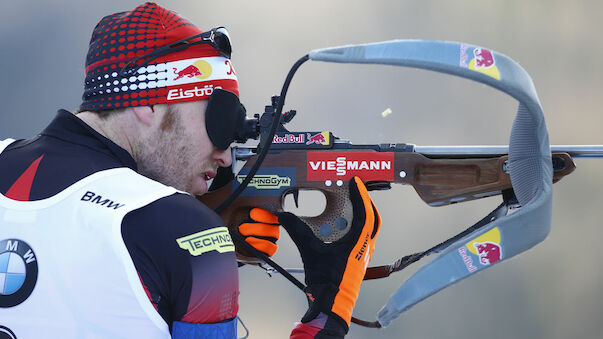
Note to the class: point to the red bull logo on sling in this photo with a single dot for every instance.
(488, 252)
(483, 60)
(487, 247)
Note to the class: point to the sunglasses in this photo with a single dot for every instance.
(226, 122)
(217, 37)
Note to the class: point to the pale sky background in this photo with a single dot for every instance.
(552, 291)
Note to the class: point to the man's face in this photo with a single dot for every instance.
(176, 149)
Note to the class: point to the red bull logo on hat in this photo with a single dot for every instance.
(482, 60)
(200, 69)
(189, 71)
(192, 79)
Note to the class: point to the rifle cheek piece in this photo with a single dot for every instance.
(226, 122)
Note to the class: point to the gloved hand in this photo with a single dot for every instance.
(261, 231)
(334, 271)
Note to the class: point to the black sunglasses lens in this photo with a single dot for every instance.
(221, 41)
(223, 44)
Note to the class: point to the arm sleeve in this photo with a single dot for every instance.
(180, 250)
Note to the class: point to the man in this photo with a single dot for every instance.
(97, 212)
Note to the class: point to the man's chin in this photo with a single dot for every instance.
(198, 187)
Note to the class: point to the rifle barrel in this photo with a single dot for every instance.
(576, 151)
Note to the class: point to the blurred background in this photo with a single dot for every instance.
(552, 291)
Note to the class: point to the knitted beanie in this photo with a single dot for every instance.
(123, 71)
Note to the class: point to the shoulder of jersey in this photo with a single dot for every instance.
(181, 212)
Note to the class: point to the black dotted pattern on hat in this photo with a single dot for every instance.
(120, 38)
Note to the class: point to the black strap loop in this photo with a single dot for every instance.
(379, 272)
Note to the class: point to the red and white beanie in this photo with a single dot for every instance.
(187, 75)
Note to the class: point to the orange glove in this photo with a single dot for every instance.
(261, 231)
(334, 271)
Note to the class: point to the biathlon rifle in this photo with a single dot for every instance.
(522, 173)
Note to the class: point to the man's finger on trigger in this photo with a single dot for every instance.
(262, 245)
(263, 230)
(261, 215)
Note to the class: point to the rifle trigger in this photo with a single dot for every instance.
(296, 197)
(377, 185)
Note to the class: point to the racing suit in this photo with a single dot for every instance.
(122, 254)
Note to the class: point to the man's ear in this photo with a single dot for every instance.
(145, 114)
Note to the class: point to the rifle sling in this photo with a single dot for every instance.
(378, 272)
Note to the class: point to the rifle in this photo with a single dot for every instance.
(522, 173)
(441, 175)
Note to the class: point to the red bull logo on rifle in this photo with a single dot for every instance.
(305, 140)
(289, 138)
(321, 138)
(483, 60)
(487, 247)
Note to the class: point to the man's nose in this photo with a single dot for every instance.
(223, 157)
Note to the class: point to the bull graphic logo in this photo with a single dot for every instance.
(317, 138)
(488, 252)
(200, 69)
(190, 71)
(483, 58)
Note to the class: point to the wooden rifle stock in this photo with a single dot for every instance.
(444, 181)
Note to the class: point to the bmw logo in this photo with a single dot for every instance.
(6, 333)
(18, 272)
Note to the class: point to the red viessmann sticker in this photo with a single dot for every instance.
(346, 165)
